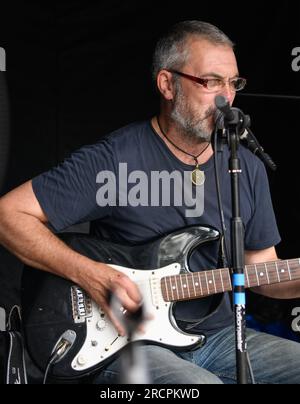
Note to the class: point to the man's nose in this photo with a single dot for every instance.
(228, 92)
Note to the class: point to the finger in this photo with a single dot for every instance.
(130, 287)
(142, 327)
(125, 300)
(113, 318)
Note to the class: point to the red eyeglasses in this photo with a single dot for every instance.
(215, 84)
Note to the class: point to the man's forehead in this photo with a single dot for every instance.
(208, 50)
(206, 55)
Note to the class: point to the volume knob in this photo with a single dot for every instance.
(101, 324)
(81, 361)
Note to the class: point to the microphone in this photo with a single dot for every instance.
(223, 105)
(226, 115)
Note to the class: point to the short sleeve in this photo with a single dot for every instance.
(68, 193)
(261, 230)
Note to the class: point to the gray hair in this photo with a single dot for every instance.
(171, 51)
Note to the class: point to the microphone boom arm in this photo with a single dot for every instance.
(229, 117)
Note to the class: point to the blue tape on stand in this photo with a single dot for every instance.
(238, 280)
(240, 299)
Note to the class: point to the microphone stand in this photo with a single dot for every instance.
(237, 128)
(234, 119)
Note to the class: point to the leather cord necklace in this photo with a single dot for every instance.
(197, 176)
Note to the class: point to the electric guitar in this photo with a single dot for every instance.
(53, 306)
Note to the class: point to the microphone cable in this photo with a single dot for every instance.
(224, 245)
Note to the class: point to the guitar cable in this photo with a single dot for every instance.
(55, 357)
(224, 246)
(63, 345)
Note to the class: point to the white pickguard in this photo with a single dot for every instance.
(102, 340)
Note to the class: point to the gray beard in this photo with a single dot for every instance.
(188, 123)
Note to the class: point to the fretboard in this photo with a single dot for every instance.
(200, 284)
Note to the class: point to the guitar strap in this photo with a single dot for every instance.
(16, 367)
(13, 367)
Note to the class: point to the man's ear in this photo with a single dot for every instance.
(165, 85)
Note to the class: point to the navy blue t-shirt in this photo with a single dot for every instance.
(113, 185)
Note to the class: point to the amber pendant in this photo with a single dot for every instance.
(198, 177)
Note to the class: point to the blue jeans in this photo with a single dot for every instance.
(274, 361)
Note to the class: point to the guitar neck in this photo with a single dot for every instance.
(201, 284)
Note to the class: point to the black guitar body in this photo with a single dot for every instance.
(46, 299)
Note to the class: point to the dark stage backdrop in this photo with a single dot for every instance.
(79, 69)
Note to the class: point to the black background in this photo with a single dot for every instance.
(79, 69)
